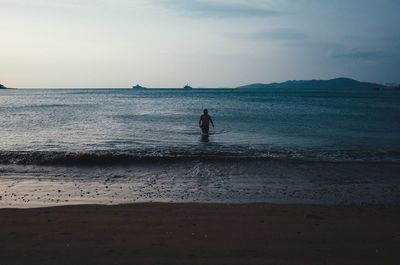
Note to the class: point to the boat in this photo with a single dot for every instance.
(187, 87)
(138, 87)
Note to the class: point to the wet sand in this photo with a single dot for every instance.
(27, 186)
(154, 233)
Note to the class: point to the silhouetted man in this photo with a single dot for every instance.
(204, 122)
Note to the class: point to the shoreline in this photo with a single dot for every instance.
(198, 233)
(204, 203)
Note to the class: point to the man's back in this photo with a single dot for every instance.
(205, 119)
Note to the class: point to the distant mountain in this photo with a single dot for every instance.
(337, 83)
(2, 87)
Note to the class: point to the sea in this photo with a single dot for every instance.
(110, 146)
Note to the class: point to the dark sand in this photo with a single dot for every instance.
(201, 234)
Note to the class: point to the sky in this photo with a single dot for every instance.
(206, 43)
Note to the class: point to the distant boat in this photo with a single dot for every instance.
(187, 87)
(138, 87)
(386, 88)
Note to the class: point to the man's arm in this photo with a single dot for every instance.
(200, 122)
(212, 123)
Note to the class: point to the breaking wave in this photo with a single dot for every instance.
(155, 156)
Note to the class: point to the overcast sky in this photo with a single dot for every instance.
(206, 43)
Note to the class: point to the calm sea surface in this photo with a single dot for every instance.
(315, 125)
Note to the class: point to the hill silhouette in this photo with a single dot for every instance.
(337, 83)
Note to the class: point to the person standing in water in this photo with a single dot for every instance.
(204, 122)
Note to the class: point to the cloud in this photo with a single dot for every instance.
(216, 9)
(284, 34)
(355, 54)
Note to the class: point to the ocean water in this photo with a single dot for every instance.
(290, 124)
(270, 139)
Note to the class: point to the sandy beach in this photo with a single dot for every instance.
(155, 233)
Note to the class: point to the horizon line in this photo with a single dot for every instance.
(219, 87)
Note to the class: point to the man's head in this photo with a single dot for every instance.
(205, 111)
